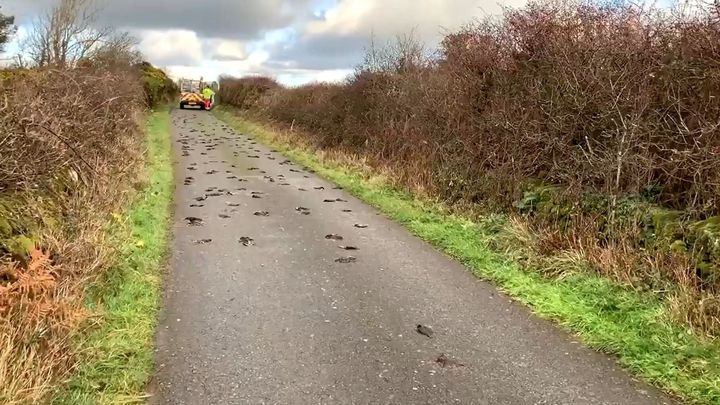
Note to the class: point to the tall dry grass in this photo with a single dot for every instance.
(595, 122)
(70, 149)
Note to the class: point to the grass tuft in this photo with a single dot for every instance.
(117, 355)
(632, 325)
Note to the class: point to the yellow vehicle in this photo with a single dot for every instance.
(191, 94)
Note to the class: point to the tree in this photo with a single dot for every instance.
(403, 54)
(7, 29)
(66, 34)
(117, 50)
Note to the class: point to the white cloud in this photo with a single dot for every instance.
(428, 18)
(294, 40)
(253, 64)
(173, 47)
(222, 49)
(294, 77)
(346, 18)
(338, 38)
(327, 46)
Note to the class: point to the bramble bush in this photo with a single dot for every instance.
(71, 151)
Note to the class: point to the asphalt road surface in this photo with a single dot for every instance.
(262, 308)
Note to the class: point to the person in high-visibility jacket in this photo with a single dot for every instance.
(208, 95)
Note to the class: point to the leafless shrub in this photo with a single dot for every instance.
(117, 51)
(244, 92)
(405, 53)
(60, 120)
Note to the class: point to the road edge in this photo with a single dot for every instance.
(117, 355)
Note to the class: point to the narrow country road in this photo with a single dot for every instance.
(262, 308)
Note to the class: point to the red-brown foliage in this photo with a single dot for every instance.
(609, 98)
(245, 92)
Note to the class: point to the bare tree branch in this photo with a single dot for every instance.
(66, 34)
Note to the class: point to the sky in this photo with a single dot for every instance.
(294, 41)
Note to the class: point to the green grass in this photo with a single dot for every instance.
(117, 355)
(609, 318)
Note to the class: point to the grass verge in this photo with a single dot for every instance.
(117, 355)
(629, 324)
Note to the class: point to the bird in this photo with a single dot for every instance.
(445, 361)
(424, 330)
(246, 241)
(194, 221)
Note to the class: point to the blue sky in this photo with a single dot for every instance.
(295, 41)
